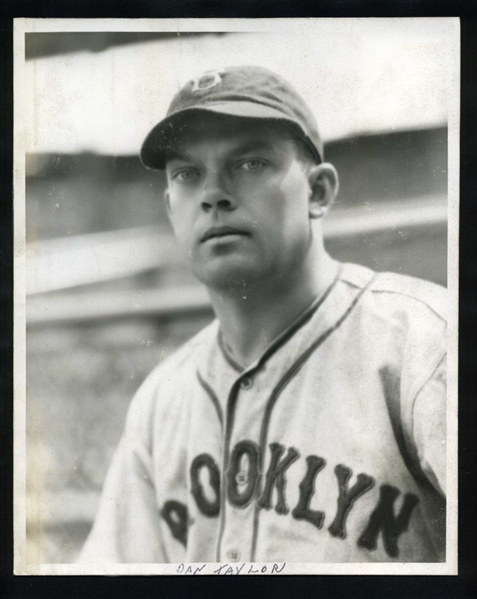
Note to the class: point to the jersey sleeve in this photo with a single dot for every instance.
(429, 427)
(126, 528)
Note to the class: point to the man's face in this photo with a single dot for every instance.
(238, 196)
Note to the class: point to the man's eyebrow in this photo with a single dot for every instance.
(176, 155)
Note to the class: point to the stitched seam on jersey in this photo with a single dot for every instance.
(413, 297)
(162, 542)
(290, 374)
(425, 383)
(211, 394)
(408, 455)
(413, 404)
(300, 323)
(288, 333)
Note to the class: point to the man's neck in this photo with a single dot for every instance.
(252, 320)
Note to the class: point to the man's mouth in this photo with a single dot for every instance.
(215, 232)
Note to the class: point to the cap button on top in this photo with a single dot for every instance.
(246, 382)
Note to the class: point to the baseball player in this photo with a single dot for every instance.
(307, 422)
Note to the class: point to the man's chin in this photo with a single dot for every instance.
(229, 278)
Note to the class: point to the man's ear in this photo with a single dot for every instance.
(324, 184)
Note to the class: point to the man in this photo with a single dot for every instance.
(307, 423)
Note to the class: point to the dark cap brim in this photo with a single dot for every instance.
(154, 148)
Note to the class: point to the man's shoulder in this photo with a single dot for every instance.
(170, 378)
(189, 355)
(399, 291)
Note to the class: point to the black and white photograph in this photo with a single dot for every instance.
(236, 296)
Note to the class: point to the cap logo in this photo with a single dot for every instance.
(206, 81)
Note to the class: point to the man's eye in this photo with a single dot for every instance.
(185, 175)
(252, 165)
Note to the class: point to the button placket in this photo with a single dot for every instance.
(235, 546)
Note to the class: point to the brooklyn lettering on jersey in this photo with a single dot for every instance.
(241, 491)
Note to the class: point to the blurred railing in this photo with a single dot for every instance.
(61, 264)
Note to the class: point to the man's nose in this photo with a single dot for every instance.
(216, 194)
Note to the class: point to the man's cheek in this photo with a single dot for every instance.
(183, 240)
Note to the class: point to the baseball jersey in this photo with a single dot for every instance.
(329, 448)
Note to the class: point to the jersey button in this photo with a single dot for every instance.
(246, 382)
(233, 555)
(241, 478)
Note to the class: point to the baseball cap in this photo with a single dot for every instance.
(248, 92)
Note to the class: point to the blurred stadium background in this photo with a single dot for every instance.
(108, 296)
